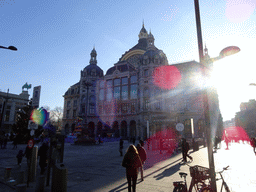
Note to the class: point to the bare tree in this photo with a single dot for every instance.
(56, 116)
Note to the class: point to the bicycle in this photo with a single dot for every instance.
(208, 188)
(199, 176)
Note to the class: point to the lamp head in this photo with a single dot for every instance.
(231, 50)
(12, 48)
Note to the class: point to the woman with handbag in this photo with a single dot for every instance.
(132, 162)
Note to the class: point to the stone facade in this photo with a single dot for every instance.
(13, 103)
(140, 95)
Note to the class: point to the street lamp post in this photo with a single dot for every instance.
(225, 52)
(87, 85)
(10, 47)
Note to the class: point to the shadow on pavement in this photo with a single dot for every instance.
(168, 172)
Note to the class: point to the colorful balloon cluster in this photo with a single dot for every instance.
(39, 116)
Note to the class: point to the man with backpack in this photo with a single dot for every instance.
(185, 148)
(143, 157)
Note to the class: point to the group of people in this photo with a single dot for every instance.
(42, 153)
(135, 158)
(133, 161)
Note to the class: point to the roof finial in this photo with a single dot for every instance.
(205, 50)
(143, 23)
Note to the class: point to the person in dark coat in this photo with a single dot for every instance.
(20, 156)
(133, 140)
(141, 143)
(121, 146)
(131, 162)
(43, 154)
(15, 142)
(28, 154)
(143, 156)
(185, 148)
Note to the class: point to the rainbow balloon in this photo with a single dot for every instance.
(39, 116)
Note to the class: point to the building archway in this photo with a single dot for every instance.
(91, 128)
(99, 128)
(124, 129)
(133, 132)
(115, 128)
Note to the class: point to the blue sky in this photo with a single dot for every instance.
(55, 38)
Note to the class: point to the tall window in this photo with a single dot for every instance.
(102, 84)
(133, 91)
(109, 83)
(74, 113)
(124, 92)
(68, 104)
(158, 104)
(117, 88)
(92, 109)
(101, 95)
(75, 103)
(116, 82)
(117, 92)
(124, 80)
(109, 93)
(146, 103)
(133, 79)
(67, 115)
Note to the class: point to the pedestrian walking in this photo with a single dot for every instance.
(28, 154)
(143, 156)
(141, 142)
(185, 148)
(121, 146)
(15, 142)
(131, 162)
(133, 140)
(253, 144)
(43, 154)
(20, 156)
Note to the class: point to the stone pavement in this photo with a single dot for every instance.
(161, 170)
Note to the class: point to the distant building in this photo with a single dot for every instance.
(229, 123)
(246, 117)
(12, 102)
(137, 91)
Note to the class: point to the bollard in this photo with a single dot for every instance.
(21, 188)
(7, 173)
(59, 178)
(40, 183)
(20, 177)
(33, 165)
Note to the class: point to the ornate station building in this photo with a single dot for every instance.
(140, 95)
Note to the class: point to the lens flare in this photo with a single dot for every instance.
(235, 134)
(39, 116)
(239, 11)
(166, 77)
(161, 145)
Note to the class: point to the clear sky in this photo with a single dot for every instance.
(55, 39)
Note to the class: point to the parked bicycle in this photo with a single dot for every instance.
(200, 178)
(224, 184)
